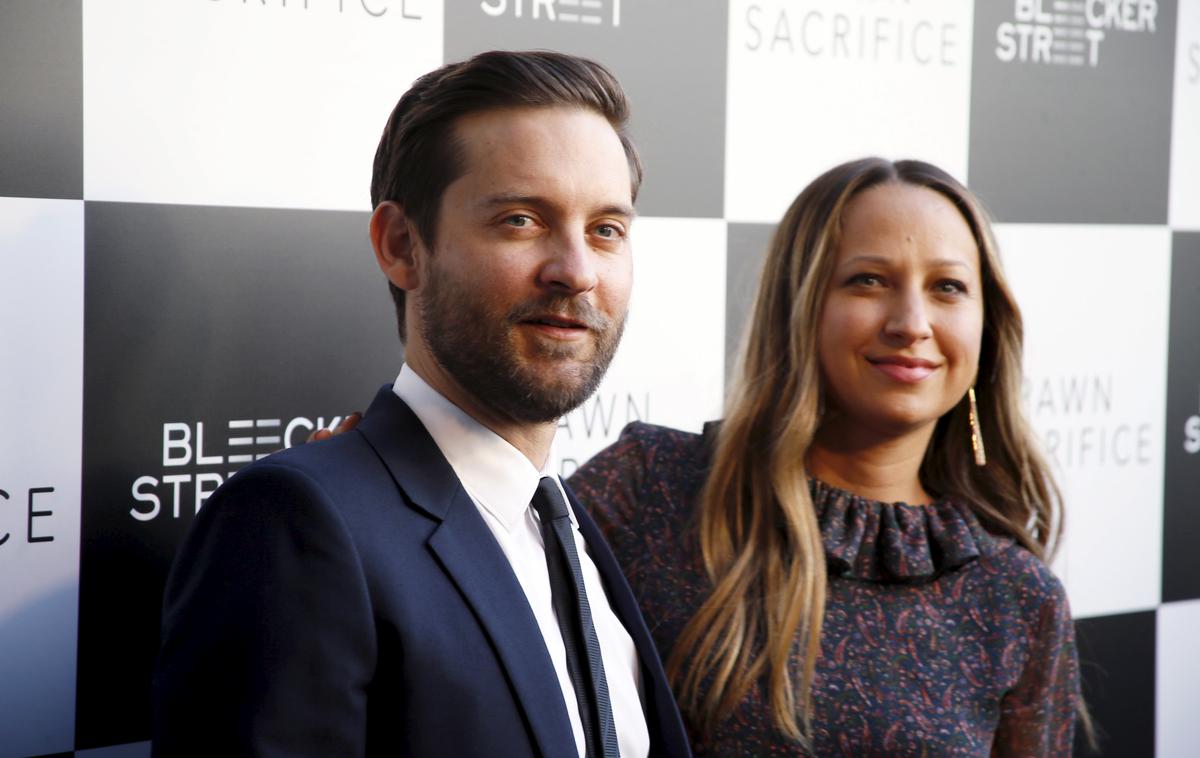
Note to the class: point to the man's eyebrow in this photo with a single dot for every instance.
(517, 198)
(510, 198)
(628, 211)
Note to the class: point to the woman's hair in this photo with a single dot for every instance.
(758, 532)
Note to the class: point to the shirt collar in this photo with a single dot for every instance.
(495, 474)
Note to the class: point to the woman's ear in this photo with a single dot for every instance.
(398, 247)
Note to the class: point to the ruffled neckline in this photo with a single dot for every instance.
(895, 542)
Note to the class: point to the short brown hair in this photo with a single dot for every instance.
(418, 155)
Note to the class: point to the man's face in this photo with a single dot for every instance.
(524, 296)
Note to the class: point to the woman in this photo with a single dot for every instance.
(854, 561)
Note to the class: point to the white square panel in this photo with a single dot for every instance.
(1094, 301)
(223, 102)
(41, 402)
(669, 369)
(1185, 131)
(813, 83)
(1178, 681)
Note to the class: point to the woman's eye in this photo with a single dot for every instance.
(867, 280)
(951, 287)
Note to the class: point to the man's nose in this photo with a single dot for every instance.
(570, 265)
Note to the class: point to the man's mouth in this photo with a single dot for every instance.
(561, 329)
(558, 322)
(561, 319)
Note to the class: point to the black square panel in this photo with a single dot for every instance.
(670, 58)
(211, 336)
(1071, 110)
(1181, 476)
(1117, 661)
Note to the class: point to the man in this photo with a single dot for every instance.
(418, 586)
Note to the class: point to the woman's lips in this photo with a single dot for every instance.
(907, 370)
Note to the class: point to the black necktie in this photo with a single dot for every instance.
(575, 622)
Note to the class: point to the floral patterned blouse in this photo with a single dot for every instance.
(939, 638)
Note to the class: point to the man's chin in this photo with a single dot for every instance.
(555, 391)
(567, 386)
(543, 350)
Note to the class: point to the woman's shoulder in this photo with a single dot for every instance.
(652, 440)
(1022, 577)
(648, 472)
(642, 450)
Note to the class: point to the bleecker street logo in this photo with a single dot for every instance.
(1069, 32)
(191, 472)
(588, 12)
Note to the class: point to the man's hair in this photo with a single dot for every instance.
(419, 154)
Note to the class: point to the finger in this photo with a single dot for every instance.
(348, 423)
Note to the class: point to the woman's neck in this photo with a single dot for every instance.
(871, 465)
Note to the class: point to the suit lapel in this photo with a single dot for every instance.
(668, 736)
(471, 557)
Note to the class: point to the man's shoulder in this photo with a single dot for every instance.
(334, 492)
(350, 455)
(316, 466)
(313, 472)
(329, 456)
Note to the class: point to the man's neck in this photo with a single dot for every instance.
(533, 440)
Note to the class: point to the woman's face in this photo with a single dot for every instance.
(902, 322)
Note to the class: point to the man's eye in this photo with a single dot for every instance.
(608, 231)
(519, 220)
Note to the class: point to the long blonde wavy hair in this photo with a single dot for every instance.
(758, 532)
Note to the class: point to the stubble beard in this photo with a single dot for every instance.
(478, 350)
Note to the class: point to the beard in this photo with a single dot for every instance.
(479, 350)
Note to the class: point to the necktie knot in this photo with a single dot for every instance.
(548, 501)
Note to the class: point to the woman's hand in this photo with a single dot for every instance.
(347, 424)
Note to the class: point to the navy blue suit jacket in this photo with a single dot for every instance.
(346, 598)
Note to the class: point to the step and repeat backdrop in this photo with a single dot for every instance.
(186, 282)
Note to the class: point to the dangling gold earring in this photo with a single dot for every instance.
(976, 432)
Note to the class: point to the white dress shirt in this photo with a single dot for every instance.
(501, 482)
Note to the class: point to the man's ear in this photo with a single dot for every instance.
(398, 247)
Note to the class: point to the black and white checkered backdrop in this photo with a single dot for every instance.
(186, 282)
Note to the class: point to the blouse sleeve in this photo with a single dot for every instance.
(1037, 717)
